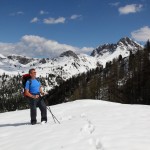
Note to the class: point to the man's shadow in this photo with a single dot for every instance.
(14, 124)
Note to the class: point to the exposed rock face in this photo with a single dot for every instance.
(103, 49)
(21, 59)
(124, 44)
(127, 41)
(43, 61)
(68, 54)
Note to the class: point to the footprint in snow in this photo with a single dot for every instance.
(89, 128)
(96, 143)
(83, 115)
(66, 118)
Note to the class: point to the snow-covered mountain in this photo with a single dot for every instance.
(84, 125)
(68, 63)
(108, 52)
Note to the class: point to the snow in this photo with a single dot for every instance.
(2, 56)
(70, 66)
(85, 125)
(110, 56)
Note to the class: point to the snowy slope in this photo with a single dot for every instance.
(65, 66)
(2, 56)
(85, 125)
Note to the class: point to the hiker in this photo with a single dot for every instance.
(33, 92)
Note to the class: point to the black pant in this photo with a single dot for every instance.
(33, 112)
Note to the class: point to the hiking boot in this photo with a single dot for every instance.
(43, 122)
(33, 122)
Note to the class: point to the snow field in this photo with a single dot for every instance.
(85, 125)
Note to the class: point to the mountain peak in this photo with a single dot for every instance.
(108, 52)
(128, 43)
(69, 53)
(105, 48)
(125, 39)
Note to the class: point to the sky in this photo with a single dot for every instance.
(84, 125)
(39, 26)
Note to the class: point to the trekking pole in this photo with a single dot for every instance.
(48, 107)
(54, 118)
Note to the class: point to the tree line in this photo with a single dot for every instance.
(123, 80)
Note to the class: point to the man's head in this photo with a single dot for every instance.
(32, 73)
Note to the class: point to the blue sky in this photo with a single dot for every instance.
(80, 25)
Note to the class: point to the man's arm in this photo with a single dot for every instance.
(41, 91)
(27, 93)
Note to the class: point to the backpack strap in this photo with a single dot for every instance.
(38, 79)
(30, 82)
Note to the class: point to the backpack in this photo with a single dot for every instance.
(25, 78)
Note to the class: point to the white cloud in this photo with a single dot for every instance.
(86, 49)
(20, 13)
(73, 17)
(36, 46)
(133, 8)
(54, 21)
(42, 12)
(34, 20)
(16, 13)
(114, 4)
(51, 20)
(142, 34)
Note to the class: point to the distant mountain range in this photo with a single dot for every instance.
(68, 63)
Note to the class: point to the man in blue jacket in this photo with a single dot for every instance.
(33, 91)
